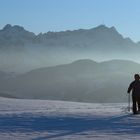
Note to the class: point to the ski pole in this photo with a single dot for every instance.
(129, 108)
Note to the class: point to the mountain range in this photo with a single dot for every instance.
(77, 39)
(59, 65)
(83, 80)
(22, 50)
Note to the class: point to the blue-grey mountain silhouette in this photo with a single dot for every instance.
(82, 80)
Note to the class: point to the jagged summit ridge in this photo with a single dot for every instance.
(101, 38)
(10, 27)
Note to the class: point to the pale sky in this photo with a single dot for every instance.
(59, 15)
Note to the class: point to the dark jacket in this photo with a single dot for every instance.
(135, 87)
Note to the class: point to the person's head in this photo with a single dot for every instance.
(137, 77)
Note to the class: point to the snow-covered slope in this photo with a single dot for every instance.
(59, 120)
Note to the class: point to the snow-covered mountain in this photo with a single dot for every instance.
(82, 80)
(58, 120)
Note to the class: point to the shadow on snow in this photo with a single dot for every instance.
(125, 124)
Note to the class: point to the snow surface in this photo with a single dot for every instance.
(59, 120)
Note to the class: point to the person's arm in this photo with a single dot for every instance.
(130, 88)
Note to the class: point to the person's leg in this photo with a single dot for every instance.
(134, 105)
(138, 104)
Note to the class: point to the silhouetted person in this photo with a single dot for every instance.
(135, 87)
